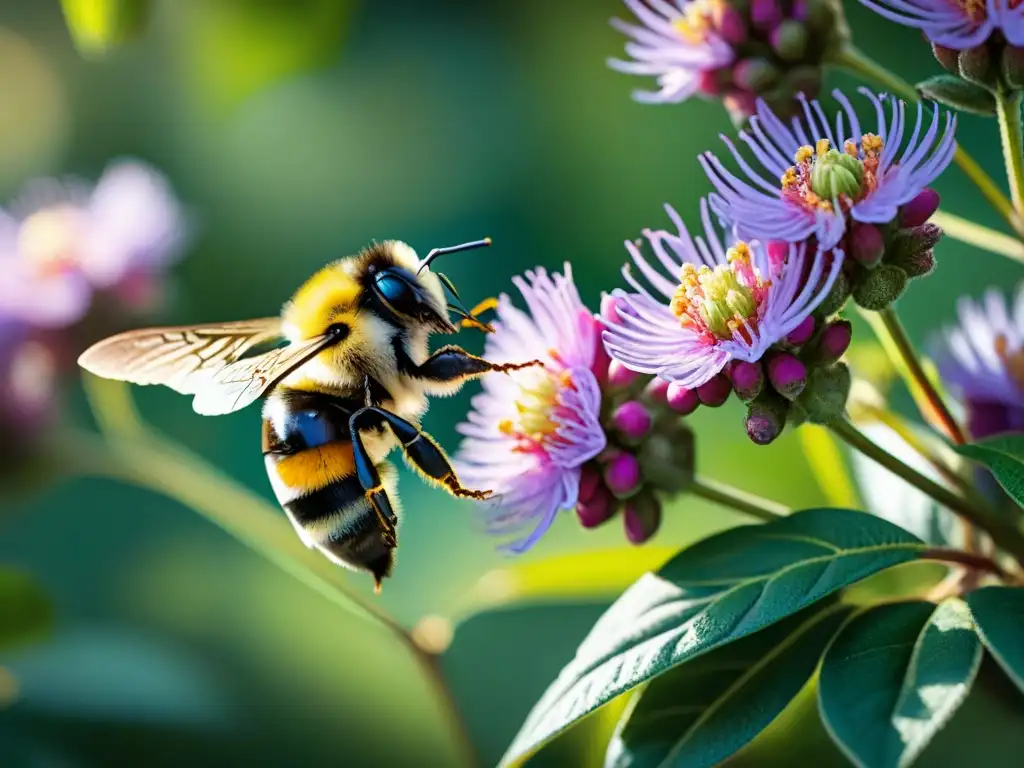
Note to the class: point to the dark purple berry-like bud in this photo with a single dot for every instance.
(787, 375)
(732, 27)
(765, 14)
(590, 481)
(747, 379)
(867, 245)
(622, 475)
(657, 390)
(619, 376)
(715, 391)
(682, 400)
(765, 420)
(632, 420)
(920, 209)
(835, 340)
(642, 517)
(599, 508)
(800, 335)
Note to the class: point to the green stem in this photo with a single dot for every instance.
(858, 63)
(1006, 535)
(979, 236)
(1012, 136)
(915, 375)
(741, 501)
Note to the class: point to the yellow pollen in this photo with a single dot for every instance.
(790, 178)
(803, 154)
(850, 148)
(538, 398)
(740, 252)
(699, 18)
(871, 144)
(821, 147)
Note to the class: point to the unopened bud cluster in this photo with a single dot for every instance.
(881, 259)
(650, 452)
(780, 47)
(976, 74)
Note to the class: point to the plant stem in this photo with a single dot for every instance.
(858, 63)
(1006, 535)
(745, 503)
(968, 559)
(1012, 136)
(974, 234)
(915, 375)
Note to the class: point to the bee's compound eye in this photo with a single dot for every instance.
(395, 291)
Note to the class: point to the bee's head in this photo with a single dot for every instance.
(396, 289)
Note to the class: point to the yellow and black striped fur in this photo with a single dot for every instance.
(350, 387)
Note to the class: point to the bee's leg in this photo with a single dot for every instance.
(366, 472)
(424, 454)
(452, 366)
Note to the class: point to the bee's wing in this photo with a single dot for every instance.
(240, 383)
(181, 357)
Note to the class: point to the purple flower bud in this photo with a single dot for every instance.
(715, 391)
(642, 518)
(765, 420)
(787, 375)
(747, 379)
(920, 209)
(682, 400)
(802, 332)
(622, 475)
(919, 264)
(657, 390)
(619, 376)
(599, 508)
(590, 481)
(867, 245)
(789, 40)
(835, 340)
(609, 310)
(765, 14)
(632, 420)
(799, 11)
(732, 27)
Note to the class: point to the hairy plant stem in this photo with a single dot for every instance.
(745, 503)
(858, 63)
(972, 233)
(1011, 133)
(1004, 534)
(133, 453)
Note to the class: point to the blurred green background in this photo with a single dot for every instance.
(297, 131)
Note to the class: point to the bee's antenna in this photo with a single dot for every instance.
(452, 249)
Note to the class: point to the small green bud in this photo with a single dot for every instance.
(836, 298)
(958, 94)
(976, 64)
(824, 398)
(880, 287)
(755, 75)
(789, 40)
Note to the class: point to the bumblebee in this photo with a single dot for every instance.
(349, 385)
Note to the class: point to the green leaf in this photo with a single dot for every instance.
(1004, 456)
(951, 91)
(999, 616)
(703, 712)
(25, 611)
(894, 676)
(721, 589)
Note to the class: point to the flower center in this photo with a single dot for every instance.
(537, 406)
(721, 302)
(1012, 360)
(698, 19)
(822, 175)
(49, 240)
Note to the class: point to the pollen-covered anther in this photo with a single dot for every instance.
(720, 303)
(822, 175)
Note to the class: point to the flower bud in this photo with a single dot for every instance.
(621, 377)
(920, 209)
(765, 14)
(715, 391)
(975, 64)
(599, 508)
(919, 264)
(732, 27)
(824, 397)
(834, 341)
(622, 475)
(632, 420)
(657, 390)
(836, 298)
(1012, 66)
(642, 517)
(789, 40)
(804, 79)
(910, 241)
(802, 333)
(755, 74)
(590, 481)
(766, 418)
(682, 400)
(880, 287)
(747, 379)
(867, 245)
(787, 375)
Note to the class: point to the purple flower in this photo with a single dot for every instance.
(681, 43)
(956, 24)
(712, 302)
(983, 360)
(530, 432)
(62, 241)
(814, 180)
